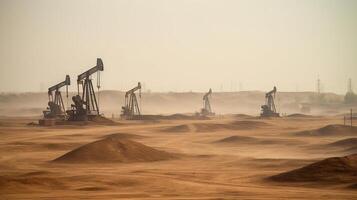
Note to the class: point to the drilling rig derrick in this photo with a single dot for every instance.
(85, 107)
(131, 109)
(269, 109)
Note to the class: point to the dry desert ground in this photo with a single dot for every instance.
(226, 157)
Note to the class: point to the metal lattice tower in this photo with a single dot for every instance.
(349, 87)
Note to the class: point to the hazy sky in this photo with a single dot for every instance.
(180, 45)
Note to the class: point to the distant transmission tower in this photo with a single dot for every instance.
(318, 86)
(349, 87)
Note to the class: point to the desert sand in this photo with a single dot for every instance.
(226, 157)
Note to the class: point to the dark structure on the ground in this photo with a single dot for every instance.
(86, 107)
(131, 109)
(56, 109)
(269, 110)
(206, 110)
(350, 96)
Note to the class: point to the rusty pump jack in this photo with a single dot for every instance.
(131, 108)
(269, 110)
(206, 110)
(86, 107)
(56, 109)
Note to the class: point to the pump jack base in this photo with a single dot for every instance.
(270, 115)
(47, 122)
(92, 119)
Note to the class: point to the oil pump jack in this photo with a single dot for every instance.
(269, 110)
(56, 109)
(131, 108)
(86, 107)
(206, 110)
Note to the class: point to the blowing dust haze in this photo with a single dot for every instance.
(178, 99)
(180, 45)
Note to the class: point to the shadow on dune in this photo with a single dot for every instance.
(329, 130)
(177, 129)
(235, 125)
(242, 140)
(122, 136)
(347, 146)
(331, 170)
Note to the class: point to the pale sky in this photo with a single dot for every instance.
(180, 45)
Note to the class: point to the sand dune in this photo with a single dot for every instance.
(114, 149)
(43, 146)
(235, 125)
(243, 116)
(329, 130)
(173, 117)
(123, 136)
(333, 170)
(16, 182)
(338, 147)
(345, 143)
(239, 140)
(230, 159)
(178, 128)
(36, 180)
(249, 124)
(299, 115)
(348, 145)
